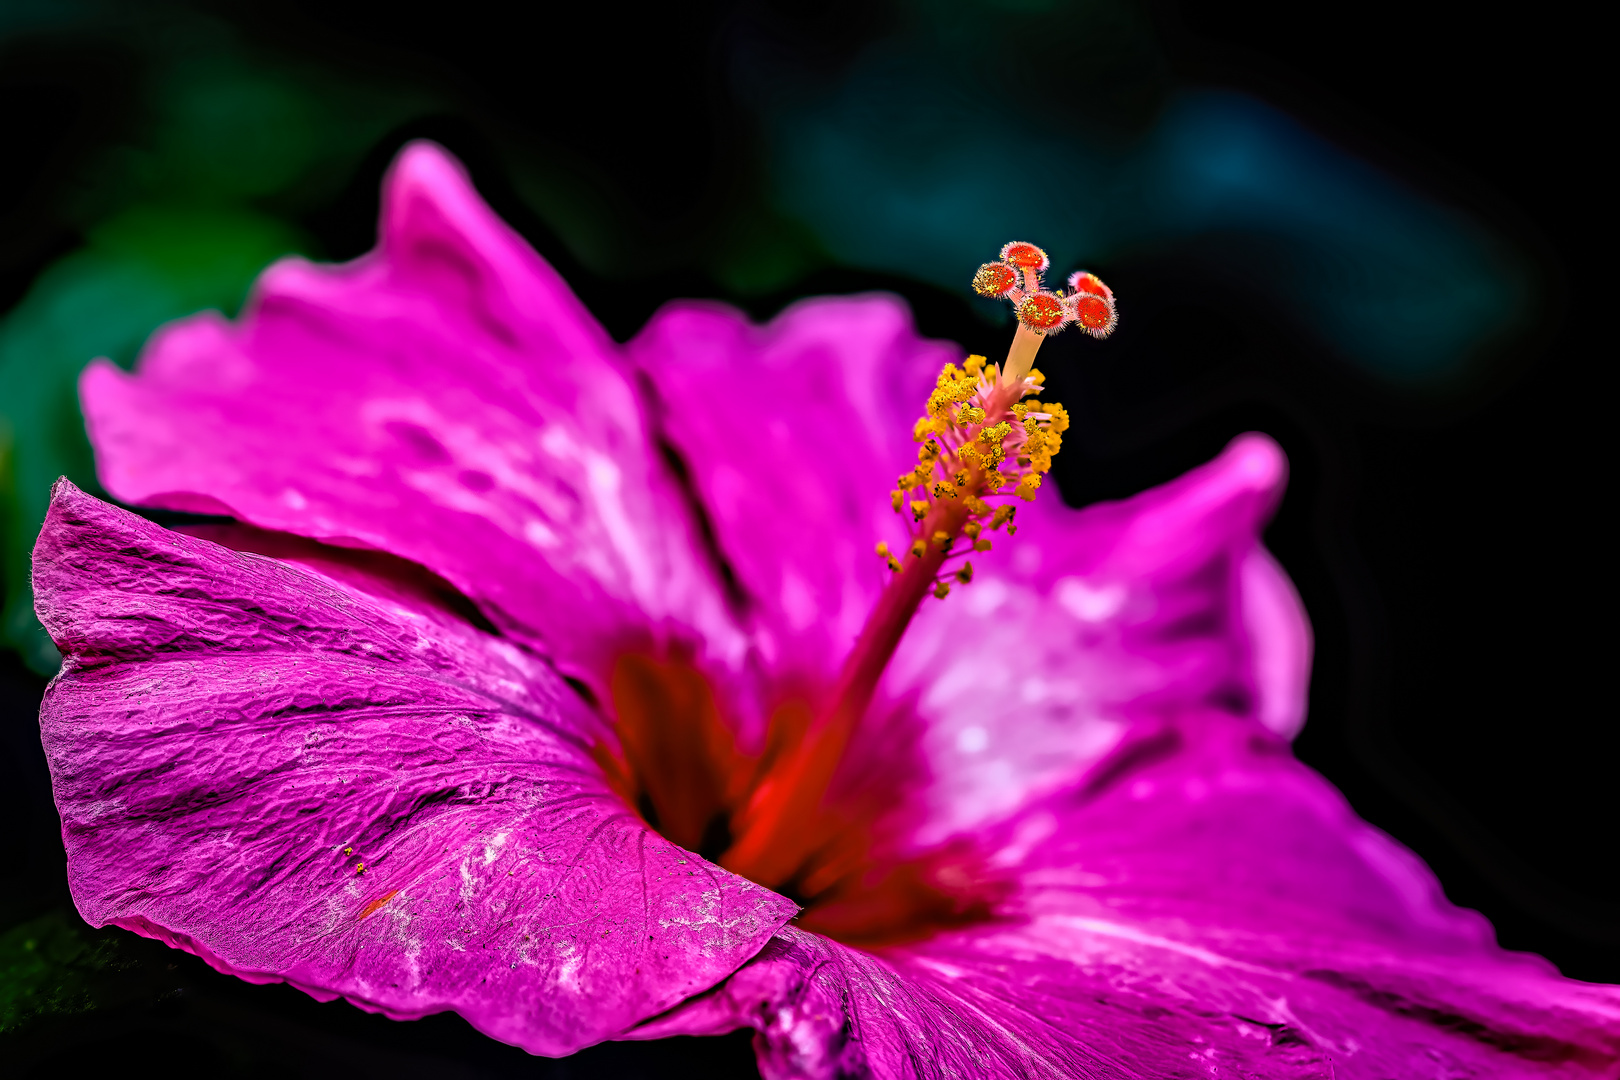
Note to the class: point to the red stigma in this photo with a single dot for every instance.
(1041, 311)
(994, 279)
(1025, 256)
(1017, 277)
(1083, 282)
(1095, 314)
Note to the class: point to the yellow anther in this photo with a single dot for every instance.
(882, 548)
(991, 457)
(348, 851)
(888, 556)
(360, 868)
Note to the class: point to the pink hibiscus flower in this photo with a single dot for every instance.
(1048, 826)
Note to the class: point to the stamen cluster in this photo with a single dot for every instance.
(1088, 304)
(977, 438)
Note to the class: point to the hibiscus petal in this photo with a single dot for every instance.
(1087, 622)
(794, 433)
(1210, 907)
(1092, 622)
(446, 399)
(299, 780)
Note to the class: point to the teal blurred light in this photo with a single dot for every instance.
(913, 176)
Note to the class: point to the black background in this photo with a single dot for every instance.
(1448, 547)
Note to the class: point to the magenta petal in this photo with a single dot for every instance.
(233, 738)
(1209, 907)
(446, 399)
(794, 433)
(1091, 622)
(1085, 623)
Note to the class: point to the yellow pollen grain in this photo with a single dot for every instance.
(955, 439)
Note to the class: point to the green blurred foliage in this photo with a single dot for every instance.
(54, 965)
(223, 151)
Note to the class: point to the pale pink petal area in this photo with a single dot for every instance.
(1202, 906)
(447, 399)
(356, 793)
(1280, 642)
(1090, 622)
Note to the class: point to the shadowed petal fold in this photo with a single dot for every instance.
(794, 433)
(445, 398)
(299, 780)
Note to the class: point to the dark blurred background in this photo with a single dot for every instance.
(1370, 230)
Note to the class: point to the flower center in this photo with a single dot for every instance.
(770, 817)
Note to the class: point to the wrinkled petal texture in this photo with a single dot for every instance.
(1201, 906)
(299, 780)
(1082, 625)
(446, 399)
